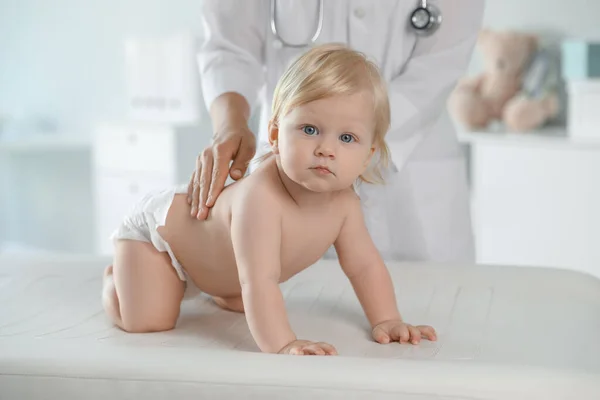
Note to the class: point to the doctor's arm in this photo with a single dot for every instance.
(419, 92)
(370, 278)
(256, 237)
(231, 69)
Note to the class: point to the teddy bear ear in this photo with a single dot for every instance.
(533, 41)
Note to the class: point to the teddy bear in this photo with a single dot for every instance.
(517, 85)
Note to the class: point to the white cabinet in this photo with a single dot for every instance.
(130, 160)
(536, 200)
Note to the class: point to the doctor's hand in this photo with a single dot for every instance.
(398, 331)
(232, 142)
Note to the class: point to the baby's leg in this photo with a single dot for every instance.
(230, 303)
(142, 292)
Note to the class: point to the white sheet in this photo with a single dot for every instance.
(504, 333)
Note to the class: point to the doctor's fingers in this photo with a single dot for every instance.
(222, 154)
(204, 165)
(190, 189)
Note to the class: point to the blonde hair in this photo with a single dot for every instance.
(331, 70)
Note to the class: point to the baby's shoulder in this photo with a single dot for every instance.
(348, 199)
(258, 188)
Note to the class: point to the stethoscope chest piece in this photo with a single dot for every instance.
(425, 19)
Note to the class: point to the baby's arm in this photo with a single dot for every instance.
(365, 268)
(256, 238)
(363, 265)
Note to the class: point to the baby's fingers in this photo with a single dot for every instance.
(329, 349)
(400, 333)
(302, 350)
(317, 349)
(415, 334)
(314, 350)
(428, 332)
(381, 336)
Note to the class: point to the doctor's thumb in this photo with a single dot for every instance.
(242, 160)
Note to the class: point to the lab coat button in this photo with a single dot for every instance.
(277, 44)
(359, 13)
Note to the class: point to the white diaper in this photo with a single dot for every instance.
(141, 224)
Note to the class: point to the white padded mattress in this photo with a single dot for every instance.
(504, 333)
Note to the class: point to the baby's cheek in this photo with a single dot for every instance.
(354, 166)
(293, 164)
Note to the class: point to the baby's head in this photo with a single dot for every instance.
(331, 110)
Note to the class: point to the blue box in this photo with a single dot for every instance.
(580, 59)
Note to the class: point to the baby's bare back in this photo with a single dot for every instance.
(205, 250)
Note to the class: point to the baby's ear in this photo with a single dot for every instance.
(273, 136)
(273, 131)
(372, 151)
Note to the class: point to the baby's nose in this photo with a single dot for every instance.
(325, 150)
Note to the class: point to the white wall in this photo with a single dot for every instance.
(567, 17)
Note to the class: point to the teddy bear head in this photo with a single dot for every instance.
(506, 53)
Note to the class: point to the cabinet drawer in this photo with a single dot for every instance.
(115, 197)
(135, 149)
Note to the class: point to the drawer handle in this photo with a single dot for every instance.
(132, 138)
(133, 188)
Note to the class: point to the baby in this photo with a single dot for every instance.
(330, 116)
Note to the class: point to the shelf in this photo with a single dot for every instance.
(50, 142)
(550, 136)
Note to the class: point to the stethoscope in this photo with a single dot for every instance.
(424, 20)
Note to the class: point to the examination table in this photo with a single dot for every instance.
(503, 333)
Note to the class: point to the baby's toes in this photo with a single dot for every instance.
(108, 271)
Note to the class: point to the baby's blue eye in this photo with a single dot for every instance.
(347, 138)
(309, 130)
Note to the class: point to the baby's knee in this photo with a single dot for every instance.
(147, 325)
(133, 321)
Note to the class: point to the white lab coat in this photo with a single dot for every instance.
(423, 212)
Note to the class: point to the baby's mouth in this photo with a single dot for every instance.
(321, 169)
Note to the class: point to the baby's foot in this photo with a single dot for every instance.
(230, 303)
(107, 277)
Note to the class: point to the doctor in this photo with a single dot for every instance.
(422, 48)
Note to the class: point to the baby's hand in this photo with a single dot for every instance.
(308, 348)
(398, 331)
